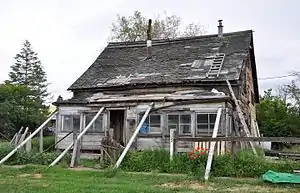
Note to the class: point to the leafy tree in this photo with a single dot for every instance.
(277, 118)
(17, 109)
(28, 71)
(134, 28)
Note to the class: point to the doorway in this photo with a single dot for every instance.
(117, 124)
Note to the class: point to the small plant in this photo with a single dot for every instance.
(197, 152)
(110, 172)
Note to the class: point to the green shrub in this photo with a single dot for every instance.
(147, 161)
(22, 157)
(245, 164)
(47, 142)
(223, 165)
(5, 148)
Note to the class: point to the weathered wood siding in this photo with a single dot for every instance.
(93, 141)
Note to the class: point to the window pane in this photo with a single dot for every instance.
(202, 118)
(67, 123)
(141, 116)
(212, 118)
(172, 127)
(202, 128)
(185, 118)
(88, 119)
(145, 128)
(98, 124)
(155, 129)
(185, 129)
(154, 119)
(76, 123)
(173, 119)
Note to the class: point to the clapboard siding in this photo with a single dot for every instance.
(89, 141)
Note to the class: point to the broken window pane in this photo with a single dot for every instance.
(152, 123)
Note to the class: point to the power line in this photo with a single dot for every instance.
(277, 77)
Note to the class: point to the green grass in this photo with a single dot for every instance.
(46, 180)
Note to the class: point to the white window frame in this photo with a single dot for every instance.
(149, 125)
(92, 128)
(209, 123)
(72, 122)
(179, 122)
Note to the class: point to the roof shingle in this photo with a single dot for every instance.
(173, 61)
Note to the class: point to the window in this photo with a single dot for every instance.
(70, 123)
(97, 126)
(181, 123)
(206, 122)
(152, 124)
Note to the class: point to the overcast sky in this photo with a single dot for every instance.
(68, 35)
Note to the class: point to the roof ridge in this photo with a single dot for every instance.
(168, 40)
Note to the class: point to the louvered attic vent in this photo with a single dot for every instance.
(216, 66)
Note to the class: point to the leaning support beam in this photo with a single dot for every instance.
(133, 137)
(212, 144)
(27, 139)
(78, 137)
(241, 116)
(23, 135)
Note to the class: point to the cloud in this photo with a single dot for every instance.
(68, 34)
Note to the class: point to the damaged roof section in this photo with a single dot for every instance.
(173, 61)
(175, 96)
(186, 95)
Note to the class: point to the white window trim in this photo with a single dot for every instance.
(93, 125)
(179, 123)
(160, 124)
(208, 123)
(149, 126)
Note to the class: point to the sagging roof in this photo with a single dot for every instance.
(181, 60)
(186, 95)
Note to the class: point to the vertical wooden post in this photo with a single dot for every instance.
(172, 143)
(233, 146)
(28, 145)
(18, 136)
(41, 143)
(25, 141)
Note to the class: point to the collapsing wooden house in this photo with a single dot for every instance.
(184, 80)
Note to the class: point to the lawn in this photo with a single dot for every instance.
(40, 179)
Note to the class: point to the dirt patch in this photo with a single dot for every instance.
(36, 176)
(255, 188)
(188, 184)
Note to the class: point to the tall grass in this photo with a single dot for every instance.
(245, 164)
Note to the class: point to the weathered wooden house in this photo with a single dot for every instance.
(185, 79)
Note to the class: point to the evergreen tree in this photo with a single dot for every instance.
(28, 71)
